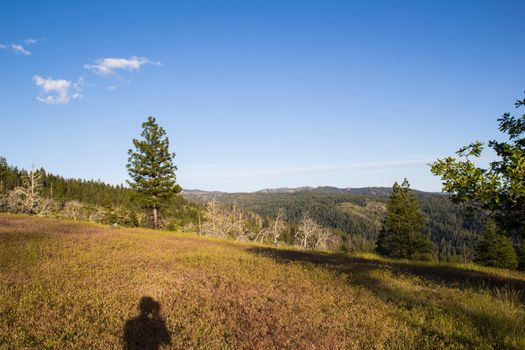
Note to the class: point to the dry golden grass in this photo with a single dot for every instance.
(67, 285)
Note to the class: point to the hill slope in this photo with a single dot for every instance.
(356, 213)
(75, 285)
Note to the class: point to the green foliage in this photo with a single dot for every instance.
(499, 189)
(10, 177)
(4, 171)
(180, 213)
(151, 169)
(521, 261)
(495, 249)
(99, 202)
(357, 214)
(402, 234)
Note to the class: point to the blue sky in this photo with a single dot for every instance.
(257, 94)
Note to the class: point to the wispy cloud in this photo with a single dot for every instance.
(17, 48)
(31, 41)
(109, 66)
(57, 91)
(283, 171)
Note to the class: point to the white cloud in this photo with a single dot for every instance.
(30, 41)
(59, 91)
(111, 88)
(108, 66)
(284, 171)
(20, 49)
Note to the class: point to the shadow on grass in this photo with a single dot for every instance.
(492, 326)
(444, 275)
(148, 330)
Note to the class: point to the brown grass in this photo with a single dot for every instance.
(75, 285)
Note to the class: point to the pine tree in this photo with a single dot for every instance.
(4, 173)
(151, 169)
(402, 234)
(495, 249)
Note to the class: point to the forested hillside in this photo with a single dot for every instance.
(356, 214)
(91, 200)
(352, 216)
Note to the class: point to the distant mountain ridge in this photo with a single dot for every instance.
(364, 191)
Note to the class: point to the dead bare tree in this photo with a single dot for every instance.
(278, 226)
(312, 235)
(15, 200)
(272, 232)
(32, 186)
(72, 208)
(45, 206)
(306, 232)
(262, 234)
(219, 221)
(223, 221)
(28, 198)
(325, 239)
(241, 232)
(96, 214)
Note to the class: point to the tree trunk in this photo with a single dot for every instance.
(155, 218)
(200, 227)
(276, 228)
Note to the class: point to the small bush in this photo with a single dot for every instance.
(495, 249)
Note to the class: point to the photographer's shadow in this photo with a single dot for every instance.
(148, 330)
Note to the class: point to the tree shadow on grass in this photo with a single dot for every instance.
(148, 330)
(496, 327)
(448, 322)
(443, 275)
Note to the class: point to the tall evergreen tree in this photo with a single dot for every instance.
(4, 173)
(151, 169)
(402, 234)
(495, 249)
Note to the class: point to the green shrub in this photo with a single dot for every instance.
(495, 249)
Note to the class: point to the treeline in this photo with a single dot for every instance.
(353, 221)
(45, 194)
(39, 192)
(343, 220)
(63, 190)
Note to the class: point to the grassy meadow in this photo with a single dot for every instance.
(70, 285)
